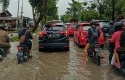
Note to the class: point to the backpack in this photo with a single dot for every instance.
(105, 29)
(122, 39)
(95, 34)
(111, 30)
(22, 38)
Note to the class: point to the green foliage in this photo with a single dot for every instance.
(96, 9)
(5, 4)
(16, 38)
(66, 18)
(43, 10)
(52, 11)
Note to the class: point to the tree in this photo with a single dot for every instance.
(75, 9)
(42, 11)
(5, 4)
(66, 17)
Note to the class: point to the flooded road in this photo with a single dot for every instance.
(54, 65)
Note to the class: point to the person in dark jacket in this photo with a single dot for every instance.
(90, 39)
(28, 38)
(111, 46)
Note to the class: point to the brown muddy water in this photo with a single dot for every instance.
(55, 65)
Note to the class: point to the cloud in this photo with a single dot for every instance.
(62, 6)
(27, 10)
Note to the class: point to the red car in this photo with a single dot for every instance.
(71, 27)
(81, 34)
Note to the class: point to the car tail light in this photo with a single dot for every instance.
(70, 28)
(41, 34)
(81, 34)
(41, 47)
(64, 32)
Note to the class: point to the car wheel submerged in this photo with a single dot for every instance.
(40, 50)
(67, 49)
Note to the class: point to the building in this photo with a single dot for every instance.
(7, 19)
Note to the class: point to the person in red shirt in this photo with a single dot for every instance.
(116, 39)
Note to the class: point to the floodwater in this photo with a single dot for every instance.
(55, 65)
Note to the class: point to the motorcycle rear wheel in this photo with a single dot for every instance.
(19, 61)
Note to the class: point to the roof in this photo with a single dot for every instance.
(5, 13)
(7, 18)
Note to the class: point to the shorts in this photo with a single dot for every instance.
(28, 44)
(92, 41)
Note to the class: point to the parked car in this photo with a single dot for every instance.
(81, 33)
(53, 36)
(71, 28)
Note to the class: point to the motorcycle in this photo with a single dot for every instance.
(22, 54)
(94, 52)
(3, 52)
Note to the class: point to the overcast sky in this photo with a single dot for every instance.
(27, 10)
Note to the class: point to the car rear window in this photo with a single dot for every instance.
(73, 25)
(104, 23)
(86, 27)
(55, 28)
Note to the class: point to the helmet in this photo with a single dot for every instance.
(118, 26)
(2, 27)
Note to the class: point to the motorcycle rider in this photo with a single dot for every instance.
(4, 39)
(90, 40)
(116, 39)
(111, 45)
(28, 38)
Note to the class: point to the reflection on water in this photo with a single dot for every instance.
(13, 48)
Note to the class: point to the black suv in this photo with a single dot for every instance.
(53, 35)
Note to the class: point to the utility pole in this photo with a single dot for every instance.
(113, 10)
(17, 23)
(22, 13)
